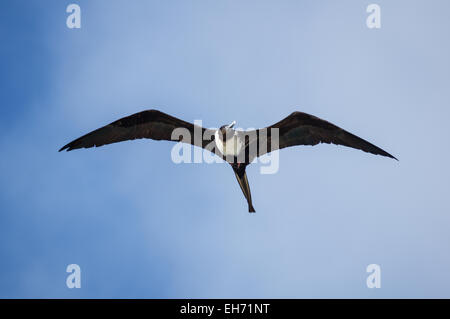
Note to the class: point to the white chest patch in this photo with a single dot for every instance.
(232, 147)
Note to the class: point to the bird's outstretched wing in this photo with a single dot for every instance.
(151, 124)
(304, 129)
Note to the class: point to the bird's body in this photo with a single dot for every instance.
(238, 148)
(232, 146)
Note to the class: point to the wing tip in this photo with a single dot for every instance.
(67, 147)
(64, 148)
(389, 155)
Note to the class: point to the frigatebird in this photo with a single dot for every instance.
(297, 129)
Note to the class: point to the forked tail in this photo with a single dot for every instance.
(241, 177)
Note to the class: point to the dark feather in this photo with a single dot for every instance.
(304, 129)
(151, 124)
(241, 177)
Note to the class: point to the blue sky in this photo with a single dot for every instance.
(141, 226)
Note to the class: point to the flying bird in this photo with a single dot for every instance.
(234, 146)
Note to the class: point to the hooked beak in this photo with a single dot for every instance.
(231, 124)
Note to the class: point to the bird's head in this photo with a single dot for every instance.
(227, 130)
